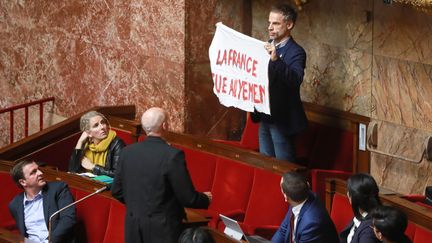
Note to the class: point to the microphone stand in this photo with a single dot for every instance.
(70, 205)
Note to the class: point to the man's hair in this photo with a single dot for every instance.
(363, 192)
(17, 171)
(391, 222)
(286, 10)
(295, 186)
(85, 119)
(196, 235)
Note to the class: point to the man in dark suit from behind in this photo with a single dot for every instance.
(155, 185)
(32, 208)
(307, 219)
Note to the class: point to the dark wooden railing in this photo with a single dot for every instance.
(25, 106)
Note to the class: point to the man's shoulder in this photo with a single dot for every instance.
(16, 200)
(152, 143)
(294, 47)
(316, 207)
(55, 186)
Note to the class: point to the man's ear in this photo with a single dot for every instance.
(290, 25)
(22, 182)
(165, 126)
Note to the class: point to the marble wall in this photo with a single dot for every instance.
(204, 114)
(371, 59)
(364, 57)
(91, 53)
(402, 96)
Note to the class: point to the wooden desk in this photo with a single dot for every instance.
(195, 219)
(7, 236)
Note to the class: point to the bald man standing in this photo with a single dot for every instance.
(155, 185)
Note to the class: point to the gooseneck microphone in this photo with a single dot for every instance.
(107, 187)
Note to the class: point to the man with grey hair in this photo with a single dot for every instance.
(155, 185)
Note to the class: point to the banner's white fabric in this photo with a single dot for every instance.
(239, 66)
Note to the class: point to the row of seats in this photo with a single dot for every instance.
(341, 214)
(239, 191)
(327, 151)
(319, 147)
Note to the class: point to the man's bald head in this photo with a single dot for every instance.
(153, 120)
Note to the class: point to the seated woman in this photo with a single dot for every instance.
(389, 225)
(362, 192)
(98, 148)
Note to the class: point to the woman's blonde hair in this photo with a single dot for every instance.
(85, 119)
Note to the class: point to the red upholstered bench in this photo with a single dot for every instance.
(231, 189)
(9, 191)
(201, 167)
(331, 157)
(101, 218)
(126, 136)
(422, 235)
(56, 154)
(93, 215)
(249, 138)
(341, 212)
(115, 225)
(266, 207)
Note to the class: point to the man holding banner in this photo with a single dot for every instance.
(285, 73)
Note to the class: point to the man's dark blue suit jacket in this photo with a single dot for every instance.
(56, 195)
(313, 224)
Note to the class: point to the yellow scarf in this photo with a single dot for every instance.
(97, 153)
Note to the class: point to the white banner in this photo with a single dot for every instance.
(239, 66)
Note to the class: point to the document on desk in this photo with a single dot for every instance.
(87, 174)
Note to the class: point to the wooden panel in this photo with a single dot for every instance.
(346, 121)
(69, 127)
(417, 214)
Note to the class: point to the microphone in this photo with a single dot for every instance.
(107, 187)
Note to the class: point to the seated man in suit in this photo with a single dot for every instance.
(307, 219)
(32, 208)
(154, 183)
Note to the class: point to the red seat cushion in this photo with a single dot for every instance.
(93, 214)
(8, 192)
(115, 228)
(410, 230)
(341, 211)
(231, 189)
(266, 185)
(201, 167)
(249, 137)
(422, 235)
